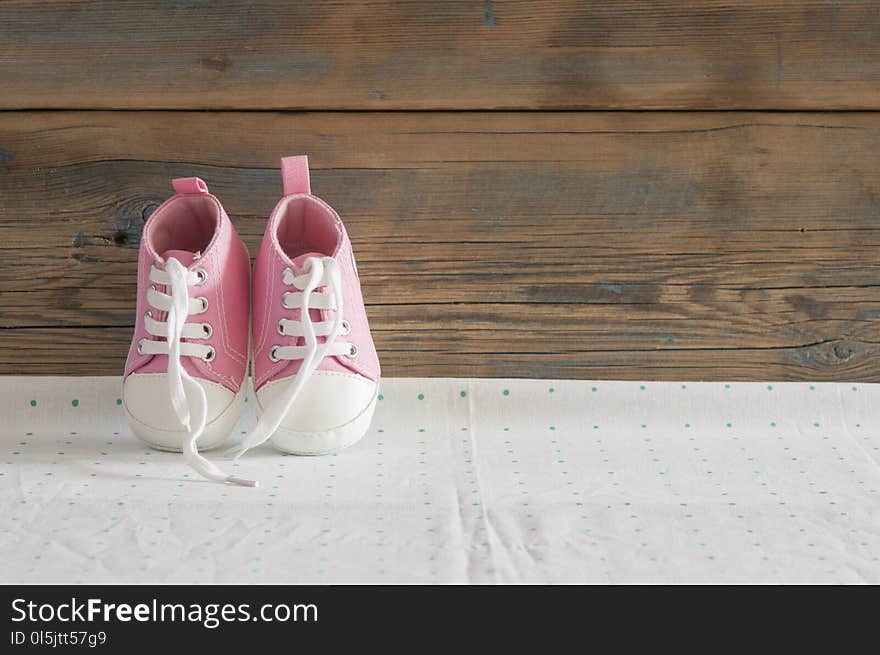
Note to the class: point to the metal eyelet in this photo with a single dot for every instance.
(140, 347)
(210, 355)
(346, 328)
(204, 302)
(280, 327)
(202, 275)
(273, 354)
(284, 274)
(148, 314)
(208, 330)
(352, 351)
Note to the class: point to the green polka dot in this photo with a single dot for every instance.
(772, 424)
(594, 389)
(381, 397)
(33, 403)
(421, 396)
(552, 427)
(552, 389)
(506, 392)
(687, 425)
(727, 386)
(642, 387)
(855, 388)
(119, 401)
(74, 402)
(769, 387)
(463, 394)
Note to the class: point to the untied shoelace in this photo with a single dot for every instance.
(188, 398)
(317, 272)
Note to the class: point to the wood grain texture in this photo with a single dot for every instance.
(477, 54)
(566, 245)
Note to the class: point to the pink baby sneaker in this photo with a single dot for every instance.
(316, 373)
(185, 373)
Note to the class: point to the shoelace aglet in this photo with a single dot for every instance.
(242, 482)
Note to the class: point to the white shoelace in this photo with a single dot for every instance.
(319, 272)
(187, 396)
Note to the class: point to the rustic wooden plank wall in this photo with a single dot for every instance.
(459, 54)
(687, 244)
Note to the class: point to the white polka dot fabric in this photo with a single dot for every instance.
(461, 481)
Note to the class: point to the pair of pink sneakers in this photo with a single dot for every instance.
(315, 369)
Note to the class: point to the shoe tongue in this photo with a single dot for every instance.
(185, 257)
(300, 261)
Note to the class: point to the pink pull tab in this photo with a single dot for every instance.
(295, 174)
(189, 185)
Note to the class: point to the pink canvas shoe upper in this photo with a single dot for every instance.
(191, 223)
(303, 225)
(305, 238)
(191, 329)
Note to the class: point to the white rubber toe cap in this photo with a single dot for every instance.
(332, 412)
(153, 420)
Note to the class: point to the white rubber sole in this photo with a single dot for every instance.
(217, 433)
(326, 441)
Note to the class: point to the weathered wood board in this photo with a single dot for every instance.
(606, 245)
(477, 54)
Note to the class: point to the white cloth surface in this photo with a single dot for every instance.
(460, 481)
